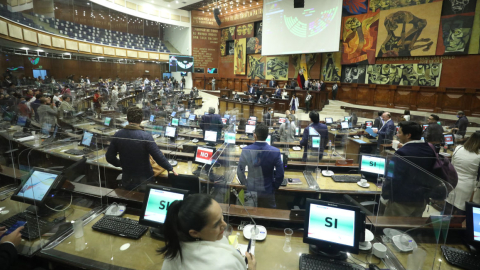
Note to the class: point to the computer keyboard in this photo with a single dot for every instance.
(21, 134)
(311, 181)
(460, 258)
(120, 226)
(346, 178)
(312, 262)
(79, 152)
(34, 227)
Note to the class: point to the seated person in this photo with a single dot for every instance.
(250, 98)
(267, 99)
(235, 95)
(434, 132)
(262, 160)
(261, 100)
(322, 129)
(278, 92)
(212, 122)
(194, 237)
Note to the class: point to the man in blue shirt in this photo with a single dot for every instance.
(134, 147)
(265, 169)
(322, 129)
(278, 92)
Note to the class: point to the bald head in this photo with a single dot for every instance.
(386, 116)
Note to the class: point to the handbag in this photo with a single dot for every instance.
(444, 169)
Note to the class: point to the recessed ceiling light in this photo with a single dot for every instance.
(24, 48)
(67, 53)
(39, 50)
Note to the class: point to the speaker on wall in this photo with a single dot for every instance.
(216, 12)
(298, 3)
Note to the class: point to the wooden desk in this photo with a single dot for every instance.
(246, 109)
(354, 147)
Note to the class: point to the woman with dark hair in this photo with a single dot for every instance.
(466, 160)
(406, 115)
(194, 237)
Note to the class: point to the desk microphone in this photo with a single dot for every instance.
(260, 231)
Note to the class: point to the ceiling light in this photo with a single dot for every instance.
(24, 48)
(67, 53)
(100, 57)
(39, 50)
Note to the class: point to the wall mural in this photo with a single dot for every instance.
(244, 31)
(404, 74)
(331, 67)
(231, 33)
(254, 45)
(454, 34)
(359, 38)
(409, 31)
(310, 60)
(376, 5)
(277, 68)
(353, 74)
(256, 67)
(354, 7)
(474, 47)
(240, 55)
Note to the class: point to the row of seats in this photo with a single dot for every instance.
(88, 33)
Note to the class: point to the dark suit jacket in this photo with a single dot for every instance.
(323, 87)
(377, 123)
(261, 160)
(271, 83)
(434, 133)
(267, 119)
(385, 134)
(322, 129)
(405, 182)
(212, 122)
(8, 256)
(462, 124)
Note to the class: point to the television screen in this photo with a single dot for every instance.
(212, 70)
(180, 63)
(183, 73)
(168, 75)
(199, 70)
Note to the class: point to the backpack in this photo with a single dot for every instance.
(444, 169)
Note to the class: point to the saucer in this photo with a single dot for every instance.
(365, 186)
(365, 246)
(296, 148)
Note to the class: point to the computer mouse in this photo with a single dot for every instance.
(290, 180)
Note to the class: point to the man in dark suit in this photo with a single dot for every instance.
(434, 132)
(268, 100)
(271, 83)
(378, 123)
(251, 90)
(235, 95)
(251, 99)
(322, 129)
(322, 86)
(212, 122)
(8, 244)
(409, 180)
(265, 169)
(461, 124)
(278, 92)
(386, 132)
(267, 117)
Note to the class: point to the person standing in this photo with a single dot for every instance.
(134, 147)
(123, 89)
(334, 91)
(386, 132)
(96, 103)
(308, 100)
(461, 124)
(378, 123)
(115, 97)
(323, 86)
(194, 237)
(66, 106)
(287, 131)
(262, 160)
(408, 180)
(183, 82)
(212, 122)
(434, 132)
(466, 160)
(294, 103)
(267, 117)
(213, 84)
(271, 83)
(278, 92)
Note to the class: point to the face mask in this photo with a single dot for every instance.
(458, 116)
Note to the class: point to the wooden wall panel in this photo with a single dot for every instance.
(71, 45)
(83, 47)
(97, 49)
(44, 40)
(3, 28)
(58, 42)
(29, 35)
(402, 99)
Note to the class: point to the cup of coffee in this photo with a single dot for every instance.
(395, 144)
(363, 182)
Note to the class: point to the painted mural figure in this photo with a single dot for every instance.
(458, 5)
(403, 45)
(240, 60)
(330, 73)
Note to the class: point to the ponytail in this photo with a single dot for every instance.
(183, 216)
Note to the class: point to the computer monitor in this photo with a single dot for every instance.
(251, 122)
(440, 123)
(87, 139)
(332, 229)
(192, 117)
(224, 121)
(35, 188)
(448, 139)
(183, 122)
(254, 118)
(175, 122)
(204, 155)
(372, 167)
(107, 121)
(347, 118)
(21, 121)
(230, 137)
(329, 121)
(170, 132)
(173, 114)
(206, 113)
(156, 202)
(73, 173)
(282, 120)
(297, 131)
(226, 116)
(152, 117)
(344, 125)
(315, 142)
(269, 139)
(249, 129)
(424, 127)
(368, 123)
(472, 212)
(210, 136)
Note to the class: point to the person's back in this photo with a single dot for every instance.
(321, 129)
(287, 132)
(47, 114)
(434, 133)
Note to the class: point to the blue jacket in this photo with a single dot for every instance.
(261, 160)
(322, 129)
(386, 132)
(405, 182)
(134, 147)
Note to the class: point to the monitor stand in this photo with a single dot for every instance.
(173, 162)
(328, 252)
(157, 233)
(41, 210)
(212, 144)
